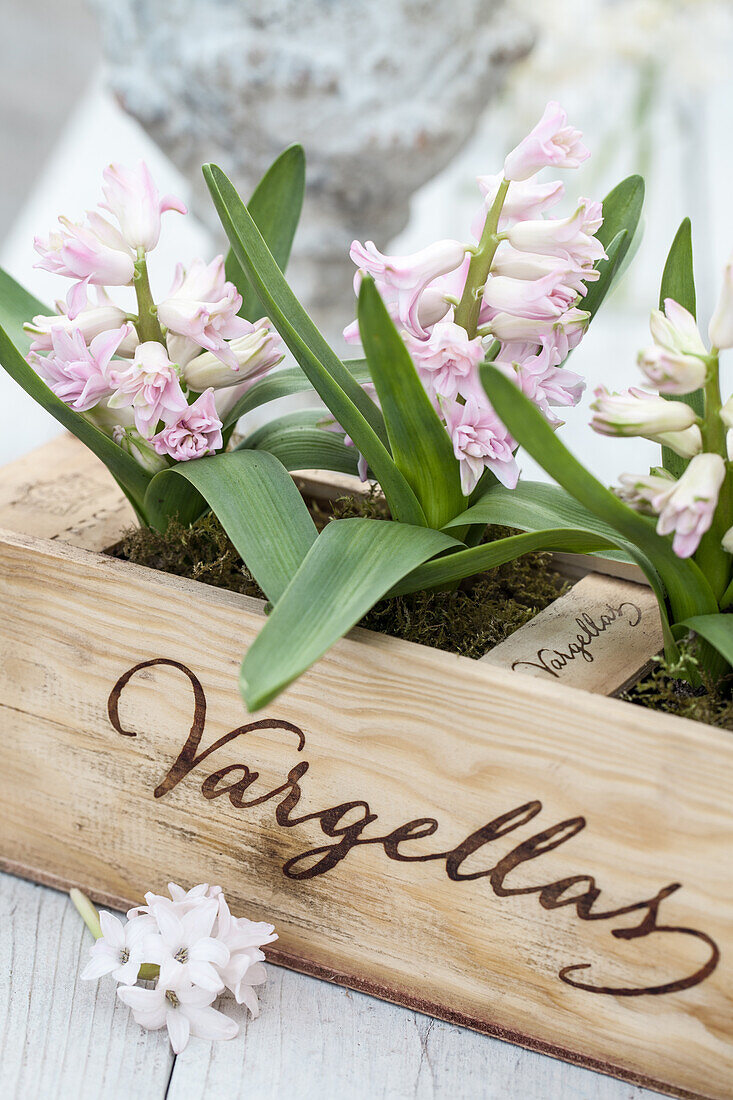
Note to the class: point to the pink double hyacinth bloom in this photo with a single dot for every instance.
(90, 321)
(256, 353)
(542, 299)
(541, 379)
(564, 333)
(151, 386)
(94, 252)
(524, 199)
(202, 307)
(195, 433)
(688, 509)
(403, 280)
(132, 198)
(551, 143)
(447, 360)
(78, 374)
(720, 329)
(514, 264)
(572, 238)
(480, 441)
(636, 412)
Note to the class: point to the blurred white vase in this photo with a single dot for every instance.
(382, 94)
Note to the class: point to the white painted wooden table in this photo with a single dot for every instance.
(64, 1038)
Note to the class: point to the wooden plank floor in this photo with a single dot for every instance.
(63, 1038)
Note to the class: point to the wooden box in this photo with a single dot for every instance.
(508, 852)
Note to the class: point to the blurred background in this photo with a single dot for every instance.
(400, 105)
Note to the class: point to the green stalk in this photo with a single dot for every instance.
(147, 324)
(714, 561)
(469, 307)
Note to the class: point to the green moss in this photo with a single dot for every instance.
(468, 621)
(666, 689)
(201, 552)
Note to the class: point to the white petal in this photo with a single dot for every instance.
(199, 920)
(204, 975)
(169, 925)
(256, 975)
(112, 928)
(140, 999)
(127, 974)
(179, 1029)
(207, 1023)
(196, 998)
(209, 950)
(154, 948)
(246, 995)
(136, 929)
(99, 964)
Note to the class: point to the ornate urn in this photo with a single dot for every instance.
(381, 94)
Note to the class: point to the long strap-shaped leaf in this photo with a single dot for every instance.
(275, 208)
(299, 443)
(717, 630)
(621, 214)
(477, 559)
(350, 567)
(17, 305)
(131, 477)
(257, 504)
(687, 589)
(342, 394)
(284, 383)
(420, 444)
(532, 506)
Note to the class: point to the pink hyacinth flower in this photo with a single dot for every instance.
(564, 333)
(689, 508)
(523, 200)
(480, 441)
(132, 198)
(78, 374)
(543, 299)
(92, 252)
(541, 380)
(514, 264)
(256, 353)
(90, 321)
(447, 360)
(150, 384)
(403, 280)
(572, 238)
(202, 306)
(196, 432)
(551, 143)
(636, 412)
(720, 329)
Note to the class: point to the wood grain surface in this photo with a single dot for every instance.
(61, 490)
(62, 1037)
(480, 931)
(598, 636)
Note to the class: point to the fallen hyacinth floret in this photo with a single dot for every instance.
(192, 947)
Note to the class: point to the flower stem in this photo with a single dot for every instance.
(469, 307)
(87, 912)
(714, 561)
(147, 324)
